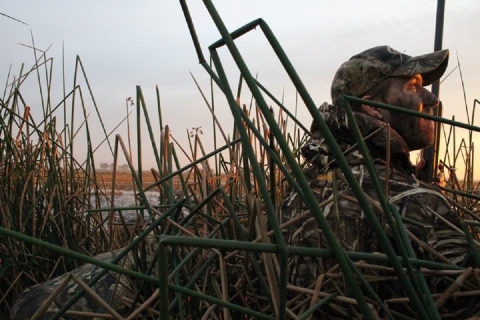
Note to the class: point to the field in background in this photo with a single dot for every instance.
(125, 181)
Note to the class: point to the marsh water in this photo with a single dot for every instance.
(126, 199)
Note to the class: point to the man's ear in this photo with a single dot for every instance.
(371, 111)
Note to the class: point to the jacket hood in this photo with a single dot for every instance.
(317, 152)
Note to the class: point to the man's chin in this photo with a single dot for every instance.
(420, 144)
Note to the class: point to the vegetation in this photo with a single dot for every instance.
(211, 246)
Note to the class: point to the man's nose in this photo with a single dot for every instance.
(429, 99)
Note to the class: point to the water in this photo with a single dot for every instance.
(126, 198)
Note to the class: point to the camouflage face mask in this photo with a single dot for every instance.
(368, 68)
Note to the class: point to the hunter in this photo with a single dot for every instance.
(384, 75)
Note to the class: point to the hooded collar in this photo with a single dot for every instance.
(317, 152)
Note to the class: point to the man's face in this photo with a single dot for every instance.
(409, 93)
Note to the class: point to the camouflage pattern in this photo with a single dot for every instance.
(32, 298)
(415, 200)
(368, 68)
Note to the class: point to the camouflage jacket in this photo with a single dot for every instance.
(429, 216)
(108, 288)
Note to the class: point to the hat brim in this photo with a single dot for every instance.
(431, 66)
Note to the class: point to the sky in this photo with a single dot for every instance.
(124, 44)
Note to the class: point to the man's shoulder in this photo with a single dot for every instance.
(330, 113)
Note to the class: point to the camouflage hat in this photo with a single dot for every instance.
(368, 68)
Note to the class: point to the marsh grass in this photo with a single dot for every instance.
(51, 196)
(44, 191)
(209, 248)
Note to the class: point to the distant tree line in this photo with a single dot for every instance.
(109, 166)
